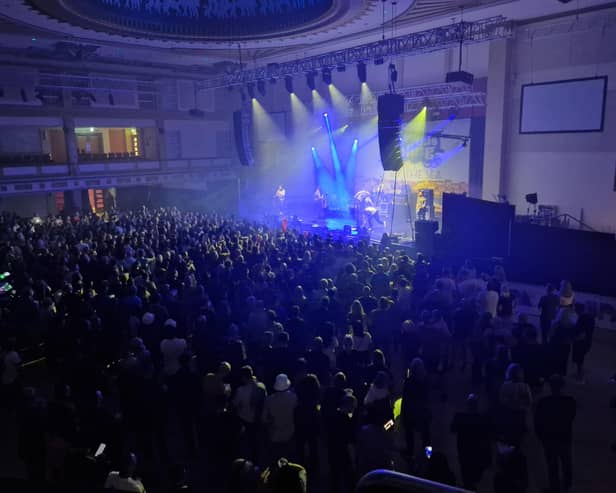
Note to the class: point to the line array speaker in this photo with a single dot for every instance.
(390, 108)
(242, 127)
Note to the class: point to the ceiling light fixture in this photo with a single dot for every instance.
(310, 80)
(362, 72)
(261, 87)
(326, 75)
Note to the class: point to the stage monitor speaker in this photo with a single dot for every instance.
(390, 108)
(242, 127)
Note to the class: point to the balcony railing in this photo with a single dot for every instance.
(105, 166)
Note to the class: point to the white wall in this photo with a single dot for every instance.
(576, 172)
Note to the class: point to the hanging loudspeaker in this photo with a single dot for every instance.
(390, 108)
(242, 127)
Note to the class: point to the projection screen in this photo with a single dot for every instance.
(576, 105)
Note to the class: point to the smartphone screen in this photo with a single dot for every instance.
(100, 450)
(428, 451)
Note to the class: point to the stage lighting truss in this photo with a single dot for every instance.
(435, 96)
(436, 39)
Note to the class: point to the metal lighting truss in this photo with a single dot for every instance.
(436, 96)
(436, 39)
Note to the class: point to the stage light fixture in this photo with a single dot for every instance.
(362, 72)
(310, 80)
(326, 75)
(393, 73)
(325, 115)
(341, 67)
(250, 87)
(273, 80)
(288, 83)
(379, 61)
(261, 87)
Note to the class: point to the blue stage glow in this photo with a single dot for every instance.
(414, 145)
(441, 158)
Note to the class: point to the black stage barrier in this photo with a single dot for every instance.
(487, 233)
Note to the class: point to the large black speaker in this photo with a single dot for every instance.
(242, 127)
(390, 108)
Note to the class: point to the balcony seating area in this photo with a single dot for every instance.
(107, 156)
(26, 158)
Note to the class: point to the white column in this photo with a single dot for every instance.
(496, 114)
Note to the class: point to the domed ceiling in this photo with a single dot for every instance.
(215, 21)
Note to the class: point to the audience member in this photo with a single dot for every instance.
(554, 417)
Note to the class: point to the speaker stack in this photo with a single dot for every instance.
(390, 108)
(242, 127)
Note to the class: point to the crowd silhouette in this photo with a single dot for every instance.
(189, 339)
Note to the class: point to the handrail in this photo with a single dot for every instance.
(581, 223)
(383, 481)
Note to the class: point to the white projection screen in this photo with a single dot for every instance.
(576, 105)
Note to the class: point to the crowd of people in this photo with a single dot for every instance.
(136, 343)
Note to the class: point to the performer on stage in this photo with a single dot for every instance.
(422, 206)
(279, 198)
(366, 209)
(320, 202)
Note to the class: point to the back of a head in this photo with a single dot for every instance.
(417, 369)
(472, 403)
(348, 403)
(514, 373)
(556, 382)
(378, 357)
(246, 373)
(383, 302)
(286, 477)
(224, 369)
(128, 465)
(282, 338)
(317, 344)
(340, 380)
(381, 380)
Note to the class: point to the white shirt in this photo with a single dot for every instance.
(489, 302)
(11, 364)
(172, 349)
(123, 484)
(362, 343)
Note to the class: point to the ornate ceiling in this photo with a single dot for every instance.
(201, 34)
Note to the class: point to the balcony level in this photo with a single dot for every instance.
(40, 176)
